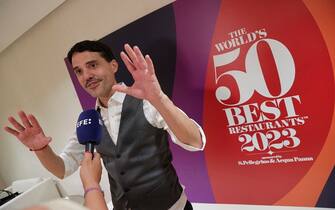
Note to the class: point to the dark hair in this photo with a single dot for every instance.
(91, 46)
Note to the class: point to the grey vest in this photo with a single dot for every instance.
(139, 167)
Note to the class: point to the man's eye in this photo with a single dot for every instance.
(93, 65)
(77, 71)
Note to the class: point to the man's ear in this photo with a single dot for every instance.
(114, 64)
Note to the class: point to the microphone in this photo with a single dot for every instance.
(89, 129)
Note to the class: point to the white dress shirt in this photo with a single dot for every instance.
(73, 152)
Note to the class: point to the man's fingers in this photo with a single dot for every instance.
(34, 121)
(24, 119)
(138, 53)
(16, 124)
(121, 88)
(131, 54)
(150, 64)
(130, 66)
(141, 61)
(11, 131)
(137, 93)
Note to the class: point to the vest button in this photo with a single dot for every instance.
(122, 173)
(118, 156)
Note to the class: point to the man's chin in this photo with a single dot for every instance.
(94, 94)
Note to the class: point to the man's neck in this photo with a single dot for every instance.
(104, 101)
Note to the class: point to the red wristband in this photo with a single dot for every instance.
(42, 148)
(91, 189)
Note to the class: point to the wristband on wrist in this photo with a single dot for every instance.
(42, 148)
(92, 189)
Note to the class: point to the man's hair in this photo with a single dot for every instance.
(91, 46)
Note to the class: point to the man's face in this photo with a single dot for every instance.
(94, 73)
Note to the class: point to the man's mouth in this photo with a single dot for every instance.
(93, 84)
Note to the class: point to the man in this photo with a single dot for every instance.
(134, 147)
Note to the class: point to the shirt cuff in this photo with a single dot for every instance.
(186, 146)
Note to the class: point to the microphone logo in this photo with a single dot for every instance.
(85, 122)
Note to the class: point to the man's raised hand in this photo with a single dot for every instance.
(29, 132)
(146, 85)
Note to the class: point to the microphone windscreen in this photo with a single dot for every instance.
(89, 127)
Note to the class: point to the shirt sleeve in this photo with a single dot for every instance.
(72, 155)
(156, 120)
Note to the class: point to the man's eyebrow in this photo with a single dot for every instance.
(88, 62)
(91, 61)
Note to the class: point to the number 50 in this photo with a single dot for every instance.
(252, 79)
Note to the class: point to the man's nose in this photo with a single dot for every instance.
(87, 74)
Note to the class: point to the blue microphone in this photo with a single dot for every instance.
(89, 129)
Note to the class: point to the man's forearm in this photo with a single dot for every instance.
(51, 162)
(179, 123)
